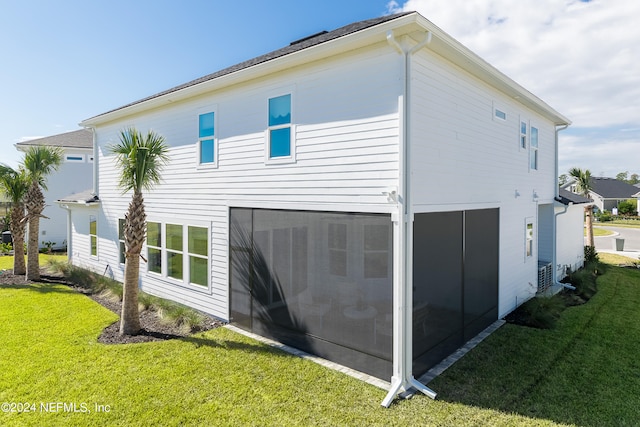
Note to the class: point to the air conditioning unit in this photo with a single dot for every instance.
(545, 275)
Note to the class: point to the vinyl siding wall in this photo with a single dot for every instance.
(344, 112)
(70, 178)
(465, 158)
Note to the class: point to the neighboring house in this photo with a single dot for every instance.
(74, 174)
(606, 193)
(315, 192)
(570, 231)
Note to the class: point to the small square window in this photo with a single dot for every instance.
(500, 114)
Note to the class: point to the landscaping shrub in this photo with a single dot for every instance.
(177, 314)
(543, 312)
(584, 279)
(590, 254)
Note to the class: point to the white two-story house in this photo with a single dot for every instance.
(376, 195)
(74, 174)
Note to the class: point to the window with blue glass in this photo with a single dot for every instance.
(280, 127)
(206, 138)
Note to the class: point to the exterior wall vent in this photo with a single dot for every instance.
(545, 275)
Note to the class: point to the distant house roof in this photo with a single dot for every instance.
(566, 197)
(409, 22)
(81, 138)
(83, 198)
(611, 188)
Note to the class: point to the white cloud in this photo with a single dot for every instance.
(583, 58)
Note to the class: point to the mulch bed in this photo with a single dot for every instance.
(153, 328)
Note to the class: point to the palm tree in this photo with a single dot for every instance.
(39, 161)
(584, 187)
(14, 184)
(140, 159)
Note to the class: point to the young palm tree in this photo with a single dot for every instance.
(140, 159)
(583, 185)
(39, 162)
(14, 184)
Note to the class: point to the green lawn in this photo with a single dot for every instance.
(597, 232)
(584, 372)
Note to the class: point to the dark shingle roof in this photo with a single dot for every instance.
(84, 197)
(565, 197)
(295, 46)
(611, 188)
(81, 138)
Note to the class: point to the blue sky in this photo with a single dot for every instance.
(65, 61)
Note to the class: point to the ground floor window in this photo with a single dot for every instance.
(93, 235)
(179, 252)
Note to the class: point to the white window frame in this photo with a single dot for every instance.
(534, 151)
(160, 248)
(121, 252)
(93, 236)
(523, 139)
(205, 110)
(529, 239)
(185, 282)
(499, 110)
(291, 158)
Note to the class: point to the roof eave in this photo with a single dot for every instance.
(442, 44)
(339, 45)
(462, 56)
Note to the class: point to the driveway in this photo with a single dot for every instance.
(631, 238)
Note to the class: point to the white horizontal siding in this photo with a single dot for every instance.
(346, 155)
(464, 158)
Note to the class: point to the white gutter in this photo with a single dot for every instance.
(555, 218)
(402, 379)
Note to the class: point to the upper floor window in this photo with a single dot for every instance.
(279, 141)
(206, 139)
(74, 158)
(534, 148)
(523, 134)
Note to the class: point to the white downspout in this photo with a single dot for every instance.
(402, 379)
(555, 219)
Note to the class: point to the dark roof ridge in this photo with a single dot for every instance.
(298, 45)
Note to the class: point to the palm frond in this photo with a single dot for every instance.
(140, 159)
(583, 180)
(39, 161)
(13, 183)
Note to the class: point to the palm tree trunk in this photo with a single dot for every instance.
(33, 263)
(35, 205)
(589, 223)
(134, 235)
(130, 316)
(17, 234)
